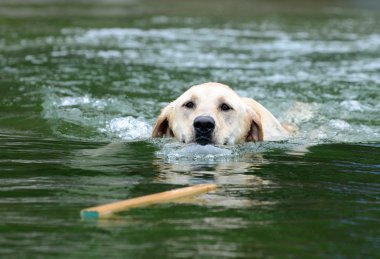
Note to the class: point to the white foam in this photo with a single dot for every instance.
(326, 99)
(128, 128)
(340, 124)
(352, 105)
(84, 102)
(199, 150)
(194, 152)
(92, 115)
(71, 101)
(191, 47)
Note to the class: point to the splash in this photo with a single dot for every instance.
(93, 119)
(175, 151)
(128, 128)
(311, 79)
(198, 152)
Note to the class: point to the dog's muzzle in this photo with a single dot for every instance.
(204, 127)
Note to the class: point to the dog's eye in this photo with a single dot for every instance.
(189, 105)
(225, 107)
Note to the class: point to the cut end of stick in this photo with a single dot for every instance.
(89, 214)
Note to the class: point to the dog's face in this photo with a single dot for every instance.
(210, 113)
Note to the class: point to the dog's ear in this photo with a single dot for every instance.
(255, 131)
(162, 129)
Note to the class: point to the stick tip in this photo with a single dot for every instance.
(89, 214)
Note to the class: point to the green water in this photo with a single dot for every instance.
(78, 75)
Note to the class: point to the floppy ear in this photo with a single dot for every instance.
(162, 129)
(255, 132)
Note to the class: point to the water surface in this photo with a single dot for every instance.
(77, 76)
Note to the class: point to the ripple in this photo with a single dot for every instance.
(309, 78)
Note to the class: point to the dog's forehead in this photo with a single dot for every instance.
(209, 91)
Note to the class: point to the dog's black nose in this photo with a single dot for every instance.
(204, 125)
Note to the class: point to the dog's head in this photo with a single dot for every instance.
(210, 113)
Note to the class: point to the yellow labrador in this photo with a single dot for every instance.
(213, 113)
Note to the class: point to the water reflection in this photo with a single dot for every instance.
(232, 169)
(220, 172)
(233, 172)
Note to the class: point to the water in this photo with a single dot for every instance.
(75, 77)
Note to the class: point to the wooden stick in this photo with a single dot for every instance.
(107, 210)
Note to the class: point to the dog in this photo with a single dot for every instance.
(212, 113)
